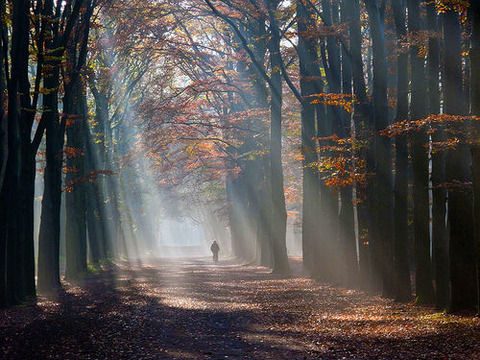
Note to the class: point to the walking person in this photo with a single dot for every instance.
(215, 249)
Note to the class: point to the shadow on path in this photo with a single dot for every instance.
(189, 309)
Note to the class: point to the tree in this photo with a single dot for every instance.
(460, 207)
(421, 213)
(383, 184)
(279, 213)
(61, 21)
(3, 113)
(310, 83)
(75, 108)
(361, 118)
(17, 192)
(346, 216)
(3, 163)
(403, 288)
(475, 147)
(439, 230)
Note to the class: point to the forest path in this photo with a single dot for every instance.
(191, 309)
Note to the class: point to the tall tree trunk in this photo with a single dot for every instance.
(475, 149)
(403, 289)
(19, 235)
(460, 207)
(29, 151)
(333, 269)
(439, 229)
(382, 239)
(75, 107)
(101, 199)
(3, 156)
(346, 217)
(75, 201)
(362, 119)
(421, 211)
(310, 83)
(18, 251)
(279, 212)
(3, 97)
(49, 235)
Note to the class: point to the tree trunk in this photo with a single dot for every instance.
(475, 148)
(310, 83)
(382, 239)
(403, 288)
(346, 216)
(361, 119)
(421, 211)
(75, 201)
(334, 266)
(3, 100)
(49, 235)
(439, 229)
(279, 212)
(75, 107)
(3, 159)
(460, 207)
(263, 230)
(18, 246)
(101, 198)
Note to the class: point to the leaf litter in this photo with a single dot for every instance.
(190, 309)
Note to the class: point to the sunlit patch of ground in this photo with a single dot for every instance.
(191, 309)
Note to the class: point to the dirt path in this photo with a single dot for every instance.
(190, 309)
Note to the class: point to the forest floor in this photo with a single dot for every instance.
(191, 309)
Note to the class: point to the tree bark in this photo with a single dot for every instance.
(279, 212)
(439, 229)
(49, 236)
(19, 247)
(3, 156)
(403, 288)
(361, 119)
(382, 239)
(310, 83)
(475, 148)
(75, 108)
(3, 97)
(346, 217)
(334, 266)
(460, 207)
(101, 197)
(421, 211)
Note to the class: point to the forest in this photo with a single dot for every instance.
(338, 139)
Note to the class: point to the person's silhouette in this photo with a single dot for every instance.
(215, 249)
